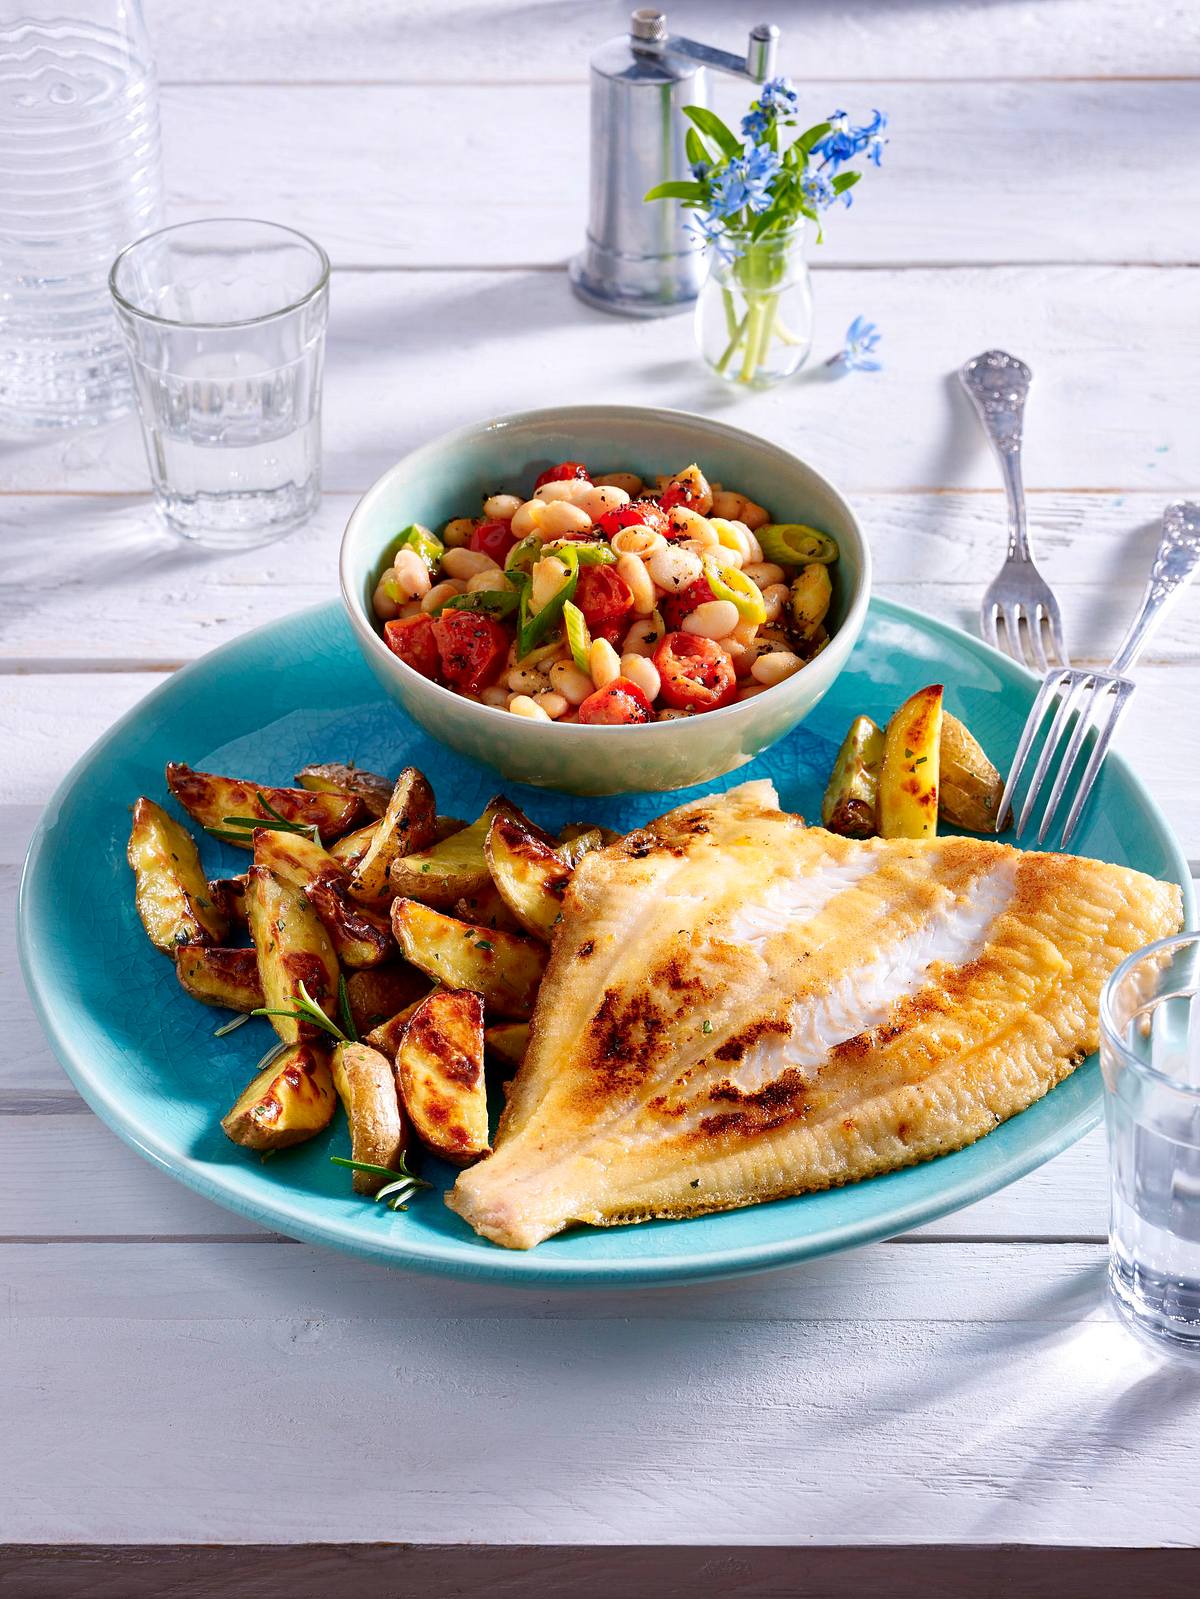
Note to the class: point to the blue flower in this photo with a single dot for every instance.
(817, 190)
(700, 170)
(873, 140)
(756, 125)
(862, 339)
(745, 183)
(711, 233)
(843, 142)
(778, 96)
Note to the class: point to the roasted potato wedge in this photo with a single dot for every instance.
(452, 870)
(584, 833)
(373, 790)
(408, 824)
(170, 889)
(852, 796)
(359, 936)
(227, 977)
(971, 787)
(375, 995)
(508, 1041)
(290, 1100)
(210, 800)
(908, 780)
(228, 894)
(292, 948)
(439, 1072)
(387, 1037)
(504, 968)
(486, 908)
(366, 1085)
(530, 876)
(351, 847)
(812, 593)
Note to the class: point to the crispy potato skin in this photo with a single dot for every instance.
(908, 782)
(409, 823)
(508, 1041)
(170, 889)
(389, 1035)
(366, 1085)
(454, 869)
(530, 876)
(851, 799)
(503, 967)
(378, 993)
(228, 894)
(439, 1071)
(971, 787)
(336, 778)
(210, 799)
(359, 937)
(225, 977)
(292, 1100)
(293, 948)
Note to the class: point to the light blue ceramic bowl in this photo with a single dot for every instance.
(449, 477)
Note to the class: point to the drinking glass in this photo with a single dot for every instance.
(1150, 1058)
(224, 322)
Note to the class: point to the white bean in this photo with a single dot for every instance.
(671, 716)
(674, 569)
(775, 667)
(764, 573)
(548, 576)
(756, 549)
(496, 696)
(523, 523)
(413, 608)
(557, 518)
(712, 619)
(457, 534)
(570, 682)
(775, 597)
(644, 673)
(525, 680)
(384, 606)
(554, 705)
(629, 481)
(734, 536)
(466, 563)
(440, 593)
(597, 499)
(604, 663)
(642, 639)
(750, 690)
(637, 539)
(492, 579)
(501, 507)
(563, 489)
(633, 570)
(694, 526)
(411, 575)
(522, 705)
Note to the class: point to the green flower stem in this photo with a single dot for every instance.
(731, 347)
(732, 325)
(784, 334)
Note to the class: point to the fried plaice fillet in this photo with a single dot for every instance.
(739, 1007)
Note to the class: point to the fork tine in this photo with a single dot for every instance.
(987, 625)
(1012, 627)
(1052, 742)
(1033, 721)
(1055, 627)
(1035, 639)
(1123, 695)
(1079, 734)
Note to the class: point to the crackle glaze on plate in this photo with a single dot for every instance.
(143, 1055)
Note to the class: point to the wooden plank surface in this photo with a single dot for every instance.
(267, 151)
(412, 355)
(936, 1393)
(480, 41)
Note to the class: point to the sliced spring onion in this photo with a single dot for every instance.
(496, 602)
(794, 544)
(524, 554)
(727, 583)
(588, 553)
(421, 542)
(578, 636)
(532, 629)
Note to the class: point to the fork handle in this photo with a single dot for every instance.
(998, 385)
(1175, 561)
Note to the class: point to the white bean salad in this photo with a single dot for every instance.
(609, 599)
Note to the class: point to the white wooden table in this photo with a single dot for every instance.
(173, 1376)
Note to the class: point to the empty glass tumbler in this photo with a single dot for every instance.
(1150, 1057)
(225, 327)
(80, 176)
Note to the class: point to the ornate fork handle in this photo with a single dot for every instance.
(1177, 558)
(998, 385)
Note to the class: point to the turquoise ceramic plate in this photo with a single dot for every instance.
(143, 1054)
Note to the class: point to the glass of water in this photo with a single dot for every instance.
(224, 322)
(1150, 1057)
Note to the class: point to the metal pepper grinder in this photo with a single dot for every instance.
(638, 260)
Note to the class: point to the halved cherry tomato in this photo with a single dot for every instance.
(494, 539)
(563, 473)
(412, 639)
(640, 512)
(696, 673)
(676, 494)
(675, 607)
(618, 701)
(605, 599)
(473, 649)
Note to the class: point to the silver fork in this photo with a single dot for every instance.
(1102, 695)
(1019, 597)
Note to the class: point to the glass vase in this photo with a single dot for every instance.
(754, 317)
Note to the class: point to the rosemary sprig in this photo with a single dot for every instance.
(399, 1190)
(235, 828)
(344, 1012)
(307, 1010)
(232, 1027)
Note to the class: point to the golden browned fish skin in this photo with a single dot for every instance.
(739, 1007)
